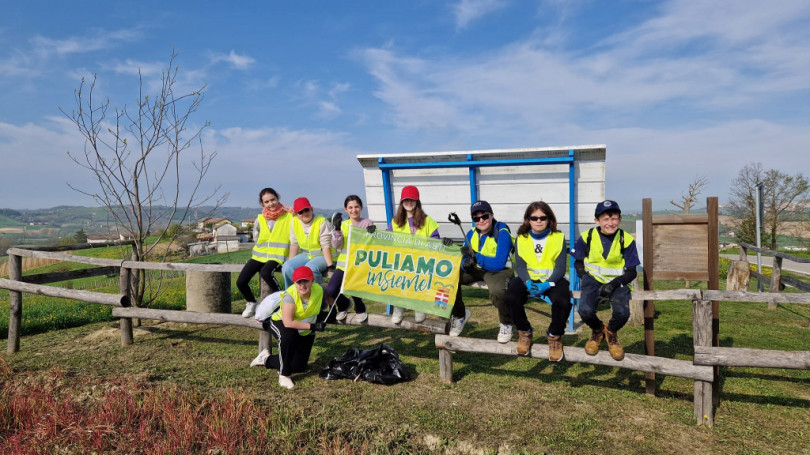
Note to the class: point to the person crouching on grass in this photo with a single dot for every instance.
(605, 258)
(540, 269)
(294, 325)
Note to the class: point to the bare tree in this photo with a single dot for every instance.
(138, 159)
(781, 193)
(689, 198)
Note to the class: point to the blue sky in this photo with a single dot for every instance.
(295, 90)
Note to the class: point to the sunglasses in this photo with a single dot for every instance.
(301, 212)
(482, 217)
(538, 218)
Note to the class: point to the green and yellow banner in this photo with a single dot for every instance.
(414, 272)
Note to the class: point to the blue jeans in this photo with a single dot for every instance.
(589, 295)
(316, 264)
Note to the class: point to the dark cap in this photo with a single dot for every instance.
(480, 206)
(606, 205)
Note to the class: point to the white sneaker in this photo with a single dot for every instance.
(260, 359)
(361, 317)
(418, 316)
(341, 315)
(285, 381)
(457, 324)
(250, 310)
(505, 334)
(397, 314)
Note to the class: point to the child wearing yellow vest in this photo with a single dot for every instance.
(540, 272)
(605, 260)
(293, 325)
(310, 243)
(354, 207)
(271, 233)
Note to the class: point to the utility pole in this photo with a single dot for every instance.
(759, 216)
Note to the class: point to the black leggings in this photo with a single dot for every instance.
(342, 302)
(517, 296)
(265, 270)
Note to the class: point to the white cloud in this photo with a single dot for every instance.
(466, 11)
(240, 62)
(651, 66)
(93, 41)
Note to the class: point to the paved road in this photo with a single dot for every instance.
(798, 267)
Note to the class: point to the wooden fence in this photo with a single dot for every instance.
(702, 369)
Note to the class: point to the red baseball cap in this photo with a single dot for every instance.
(303, 273)
(300, 204)
(410, 192)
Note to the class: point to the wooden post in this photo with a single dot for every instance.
(15, 303)
(127, 337)
(713, 211)
(776, 280)
(649, 305)
(702, 329)
(445, 366)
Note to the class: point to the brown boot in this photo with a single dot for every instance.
(592, 346)
(524, 342)
(555, 350)
(615, 348)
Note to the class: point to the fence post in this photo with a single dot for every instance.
(15, 304)
(126, 323)
(445, 366)
(702, 335)
(776, 280)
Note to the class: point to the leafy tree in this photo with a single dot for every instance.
(689, 198)
(139, 157)
(781, 193)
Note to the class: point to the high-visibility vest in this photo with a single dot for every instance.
(341, 260)
(273, 245)
(490, 246)
(308, 314)
(541, 268)
(601, 268)
(428, 228)
(310, 244)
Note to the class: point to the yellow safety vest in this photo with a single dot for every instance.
(341, 260)
(540, 268)
(601, 268)
(310, 244)
(490, 247)
(304, 314)
(428, 228)
(273, 245)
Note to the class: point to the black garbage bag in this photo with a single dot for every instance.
(380, 366)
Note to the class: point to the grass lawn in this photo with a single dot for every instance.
(188, 389)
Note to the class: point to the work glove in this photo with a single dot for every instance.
(371, 229)
(468, 260)
(606, 290)
(543, 287)
(533, 288)
(337, 218)
(447, 241)
(331, 268)
(317, 326)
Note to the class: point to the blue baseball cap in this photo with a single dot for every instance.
(606, 205)
(480, 206)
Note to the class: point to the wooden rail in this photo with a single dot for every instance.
(703, 369)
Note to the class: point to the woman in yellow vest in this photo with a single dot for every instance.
(293, 325)
(540, 271)
(310, 243)
(271, 232)
(411, 219)
(354, 208)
